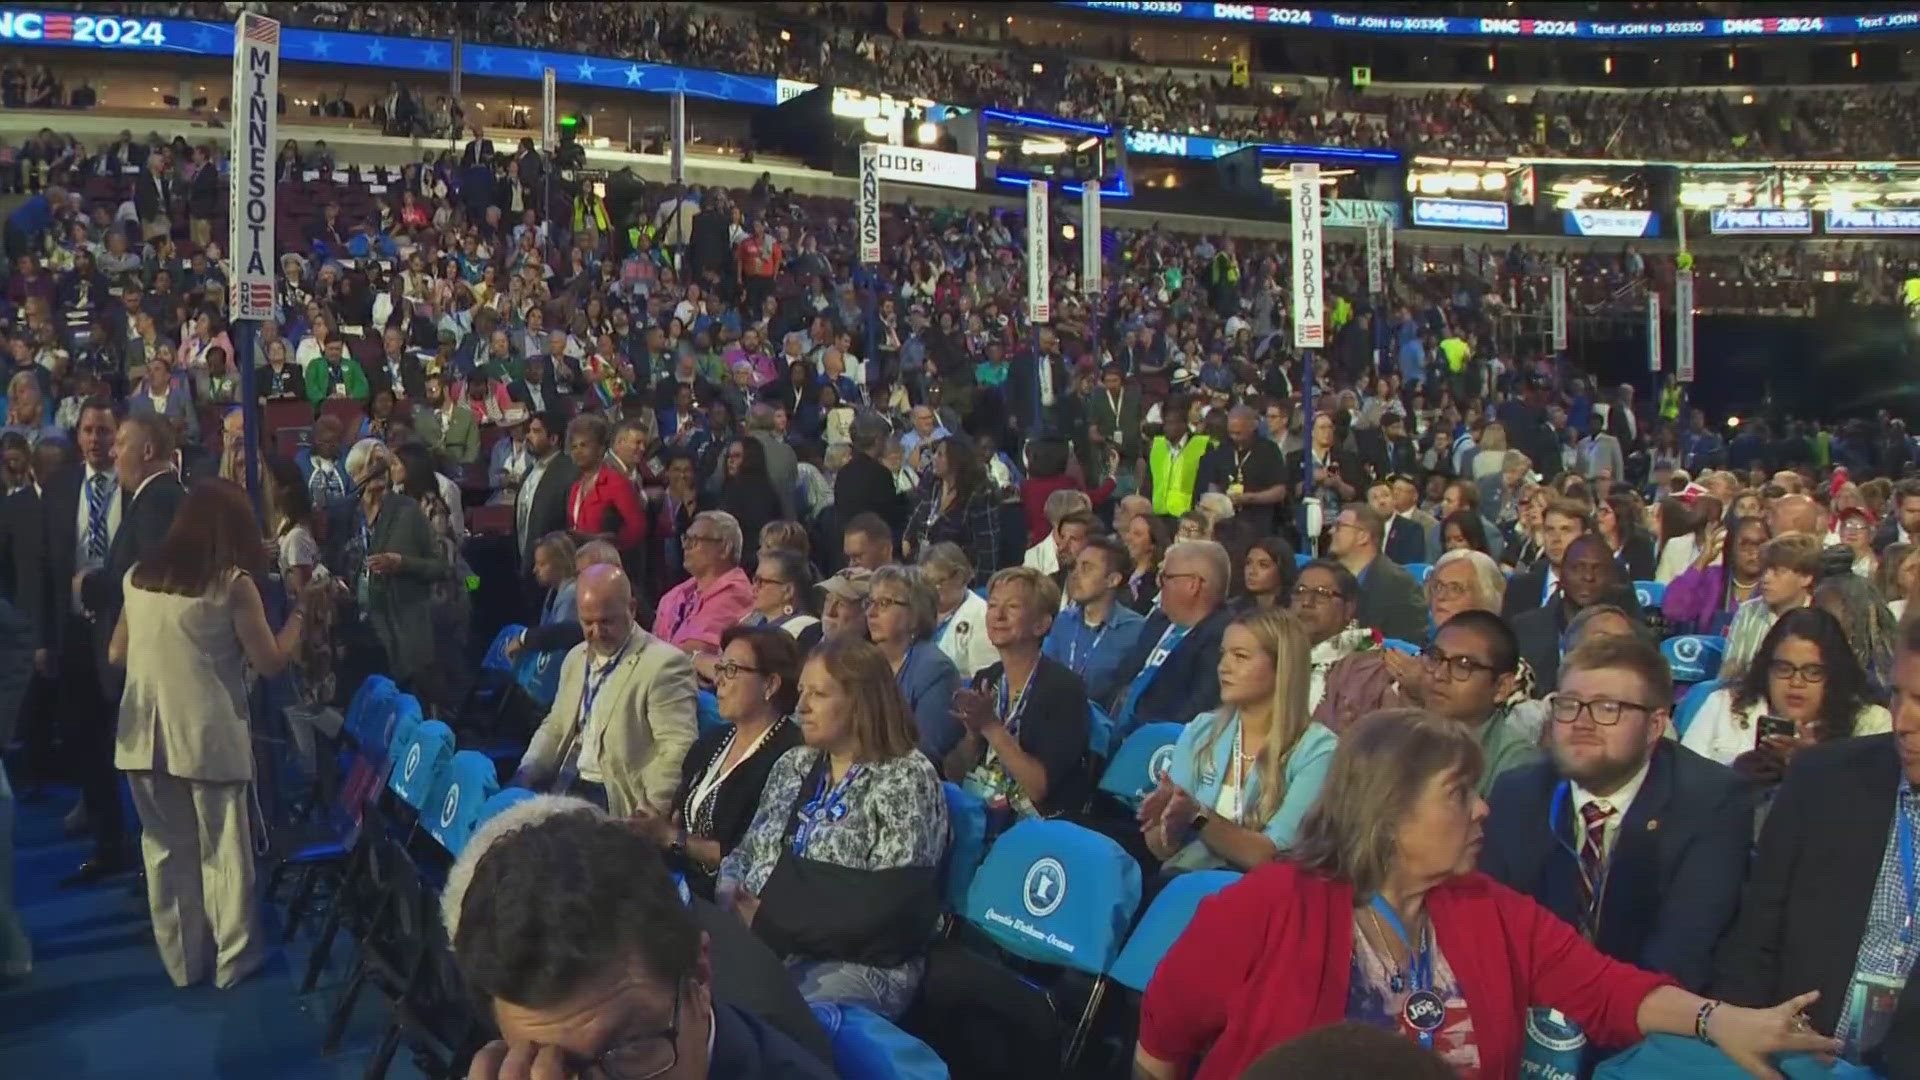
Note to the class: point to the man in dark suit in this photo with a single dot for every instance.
(1114, 413)
(1592, 579)
(22, 532)
(150, 494)
(1390, 600)
(1177, 657)
(864, 485)
(83, 512)
(1828, 901)
(1626, 835)
(540, 505)
(1563, 522)
(1904, 526)
(1404, 539)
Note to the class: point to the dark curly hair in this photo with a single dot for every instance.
(1845, 691)
(556, 905)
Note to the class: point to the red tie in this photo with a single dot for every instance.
(1593, 858)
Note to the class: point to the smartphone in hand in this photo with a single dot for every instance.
(1772, 726)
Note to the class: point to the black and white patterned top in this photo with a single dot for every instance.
(896, 816)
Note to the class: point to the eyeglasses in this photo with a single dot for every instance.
(1786, 672)
(1165, 577)
(699, 538)
(762, 579)
(1458, 668)
(1606, 712)
(879, 604)
(1447, 590)
(728, 669)
(642, 1057)
(1316, 594)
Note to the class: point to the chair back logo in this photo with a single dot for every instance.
(450, 807)
(1160, 764)
(1045, 887)
(413, 762)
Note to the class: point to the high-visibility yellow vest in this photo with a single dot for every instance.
(1670, 402)
(1457, 353)
(1174, 475)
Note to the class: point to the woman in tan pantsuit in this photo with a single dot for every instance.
(192, 624)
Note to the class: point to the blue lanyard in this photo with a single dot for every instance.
(593, 686)
(1073, 647)
(1423, 1010)
(1903, 828)
(1012, 718)
(831, 805)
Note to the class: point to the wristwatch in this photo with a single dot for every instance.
(678, 849)
(1199, 823)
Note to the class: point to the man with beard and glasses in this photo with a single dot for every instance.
(1636, 841)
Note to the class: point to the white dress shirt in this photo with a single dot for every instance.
(82, 562)
(590, 738)
(1619, 801)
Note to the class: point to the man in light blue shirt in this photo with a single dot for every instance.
(1095, 634)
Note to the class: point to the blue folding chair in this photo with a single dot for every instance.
(1690, 703)
(1419, 570)
(707, 711)
(1694, 658)
(501, 800)
(402, 723)
(1401, 645)
(1300, 559)
(421, 768)
(1055, 893)
(866, 1046)
(1163, 924)
(967, 846)
(539, 675)
(1650, 594)
(1099, 731)
(496, 658)
(470, 781)
(369, 711)
(1140, 762)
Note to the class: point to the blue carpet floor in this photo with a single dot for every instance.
(98, 1005)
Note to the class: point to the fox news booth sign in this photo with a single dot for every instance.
(916, 165)
(1612, 223)
(1748, 221)
(1459, 214)
(256, 89)
(1881, 222)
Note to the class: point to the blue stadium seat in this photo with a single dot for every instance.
(1419, 570)
(369, 712)
(500, 800)
(1694, 658)
(1163, 924)
(1401, 645)
(418, 771)
(469, 783)
(1300, 559)
(496, 658)
(967, 819)
(707, 711)
(1140, 762)
(1099, 731)
(1554, 1044)
(403, 721)
(1057, 894)
(866, 1046)
(1651, 594)
(539, 675)
(1690, 703)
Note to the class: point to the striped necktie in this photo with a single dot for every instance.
(99, 492)
(1593, 859)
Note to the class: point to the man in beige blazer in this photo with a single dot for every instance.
(624, 716)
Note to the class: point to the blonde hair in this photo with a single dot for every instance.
(1286, 642)
(1385, 759)
(882, 727)
(1045, 593)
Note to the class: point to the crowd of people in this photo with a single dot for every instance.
(850, 48)
(911, 545)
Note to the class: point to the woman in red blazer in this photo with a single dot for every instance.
(603, 501)
(1385, 861)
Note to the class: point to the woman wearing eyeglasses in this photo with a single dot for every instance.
(727, 768)
(781, 585)
(1804, 686)
(900, 620)
(839, 871)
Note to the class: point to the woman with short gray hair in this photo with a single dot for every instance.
(960, 628)
(901, 618)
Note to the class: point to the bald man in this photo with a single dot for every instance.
(623, 719)
(1795, 513)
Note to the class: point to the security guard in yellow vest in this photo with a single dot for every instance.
(1173, 461)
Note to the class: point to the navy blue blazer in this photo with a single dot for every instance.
(1188, 682)
(747, 1048)
(1673, 881)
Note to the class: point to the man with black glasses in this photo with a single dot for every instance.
(1636, 841)
(1471, 668)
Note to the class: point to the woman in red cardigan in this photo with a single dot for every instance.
(1376, 915)
(603, 501)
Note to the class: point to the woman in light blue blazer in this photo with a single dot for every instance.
(902, 612)
(174, 405)
(1242, 777)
